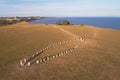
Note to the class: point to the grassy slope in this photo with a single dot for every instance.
(102, 52)
(99, 59)
(21, 40)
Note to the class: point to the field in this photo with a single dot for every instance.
(98, 58)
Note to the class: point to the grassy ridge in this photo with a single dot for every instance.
(98, 59)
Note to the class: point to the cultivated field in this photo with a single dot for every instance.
(98, 58)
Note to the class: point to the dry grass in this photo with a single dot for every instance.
(97, 59)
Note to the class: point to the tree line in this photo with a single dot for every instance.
(6, 22)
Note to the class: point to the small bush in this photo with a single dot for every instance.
(14, 21)
(59, 22)
(82, 24)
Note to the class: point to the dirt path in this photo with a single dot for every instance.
(65, 31)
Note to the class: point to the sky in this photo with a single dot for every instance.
(60, 8)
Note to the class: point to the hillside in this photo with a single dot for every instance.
(98, 58)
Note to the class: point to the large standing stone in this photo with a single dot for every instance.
(28, 64)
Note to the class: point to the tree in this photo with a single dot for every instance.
(4, 22)
(65, 22)
(62, 22)
(14, 21)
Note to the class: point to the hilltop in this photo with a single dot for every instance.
(98, 58)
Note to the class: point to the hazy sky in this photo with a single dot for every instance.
(60, 8)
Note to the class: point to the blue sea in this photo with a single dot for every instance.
(103, 22)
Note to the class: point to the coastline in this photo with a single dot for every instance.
(102, 22)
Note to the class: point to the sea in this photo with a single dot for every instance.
(103, 22)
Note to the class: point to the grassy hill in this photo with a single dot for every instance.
(97, 59)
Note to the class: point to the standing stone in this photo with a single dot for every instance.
(48, 58)
(71, 50)
(44, 59)
(40, 51)
(56, 55)
(33, 56)
(60, 43)
(41, 61)
(65, 52)
(81, 39)
(37, 62)
(53, 57)
(21, 63)
(61, 53)
(25, 60)
(28, 64)
(37, 53)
